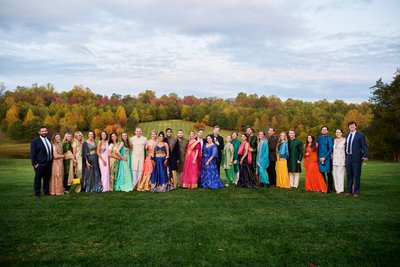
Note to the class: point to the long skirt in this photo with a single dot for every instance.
(159, 177)
(246, 176)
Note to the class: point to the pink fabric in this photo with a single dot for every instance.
(190, 173)
(241, 151)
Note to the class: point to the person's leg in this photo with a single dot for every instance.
(296, 179)
(349, 172)
(357, 177)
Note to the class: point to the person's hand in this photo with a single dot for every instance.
(35, 166)
(207, 163)
(88, 166)
(307, 154)
(298, 161)
(194, 161)
(235, 162)
(364, 159)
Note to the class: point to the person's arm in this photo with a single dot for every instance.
(300, 147)
(231, 148)
(364, 147)
(56, 155)
(167, 151)
(246, 150)
(98, 152)
(34, 160)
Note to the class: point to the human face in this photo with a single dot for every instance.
(43, 132)
(352, 127)
(244, 138)
(309, 139)
(161, 138)
(124, 136)
(78, 136)
(153, 135)
(271, 132)
(338, 133)
(180, 134)
(200, 133)
(261, 135)
(228, 138)
(292, 134)
(216, 131)
(169, 133)
(324, 131)
(209, 139)
(57, 138)
(114, 137)
(138, 132)
(90, 136)
(249, 131)
(103, 136)
(68, 138)
(234, 136)
(191, 135)
(282, 137)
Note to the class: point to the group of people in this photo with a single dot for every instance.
(165, 162)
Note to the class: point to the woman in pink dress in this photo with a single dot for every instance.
(104, 164)
(191, 171)
(144, 182)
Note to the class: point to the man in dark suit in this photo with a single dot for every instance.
(356, 154)
(200, 138)
(41, 157)
(219, 141)
(272, 156)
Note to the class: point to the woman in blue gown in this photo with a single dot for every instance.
(159, 176)
(209, 177)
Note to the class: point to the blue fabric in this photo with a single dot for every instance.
(209, 177)
(159, 175)
(325, 149)
(124, 178)
(263, 161)
(283, 150)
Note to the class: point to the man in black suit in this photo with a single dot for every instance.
(200, 138)
(356, 154)
(219, 141)
(272, 156)
(41, 157)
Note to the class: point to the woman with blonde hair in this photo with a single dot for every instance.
(282, 173)
(57, 169)
(77, 151)
(69, 162)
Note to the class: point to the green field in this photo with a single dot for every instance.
(229, 227)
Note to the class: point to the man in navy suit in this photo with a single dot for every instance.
(41, 157)
(219, 141)
(356, 154)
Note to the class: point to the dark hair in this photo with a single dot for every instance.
(161, 133)
(313, 143)
(201, 129)
(110, 140)
(94, 134)
(340, 129)
(168, 129)
(248, 126)
(180, 130)
(352, 122)
(245, 134)
(211, 136)
(235, 133)
(271, 128)
(325, 127)
(42, 127)
(102, 133)
(216, 126)
(126, 143)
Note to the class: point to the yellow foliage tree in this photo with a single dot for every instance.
(12, 114)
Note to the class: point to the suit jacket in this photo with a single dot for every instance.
(38, 152)
(220, 146)
(203, 141)
(359, 147)
(272, 147)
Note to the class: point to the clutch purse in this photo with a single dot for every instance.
(76, 181)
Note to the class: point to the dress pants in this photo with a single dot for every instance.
(272, 172)
(338, 178)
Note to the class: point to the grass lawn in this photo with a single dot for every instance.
(231, 227)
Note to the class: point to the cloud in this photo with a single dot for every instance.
(219, 48)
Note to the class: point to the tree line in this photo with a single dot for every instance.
(25, 108)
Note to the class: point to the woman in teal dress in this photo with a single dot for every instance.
(124, 177)
(90, 161)
(262, 159)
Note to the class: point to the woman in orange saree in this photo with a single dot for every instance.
(191, 171)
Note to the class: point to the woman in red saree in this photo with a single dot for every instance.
(191, 171)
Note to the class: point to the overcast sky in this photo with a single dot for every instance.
(306, 50)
